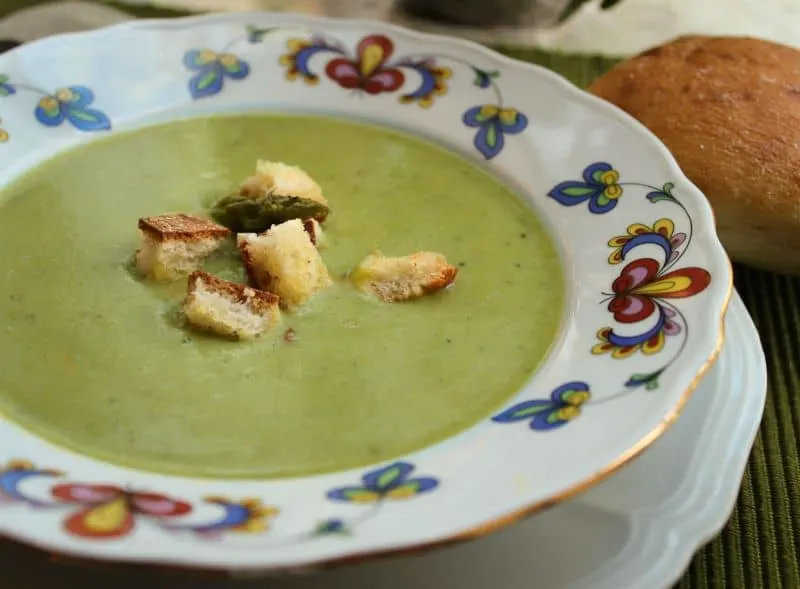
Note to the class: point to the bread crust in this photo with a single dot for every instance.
(228, 309)
(181, 227)
(257, 301)
(729, 111)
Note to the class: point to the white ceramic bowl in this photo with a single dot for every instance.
(648, 283)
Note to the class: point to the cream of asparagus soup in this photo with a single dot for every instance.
(436, 294)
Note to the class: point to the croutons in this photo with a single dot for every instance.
(282, 180)
(275, 194)
(229, 309)
(174, 245)
(283, 260)
(394, 279)
(314, 230)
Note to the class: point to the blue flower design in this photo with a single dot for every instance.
(6, 89)
(212, 68)
(71, 104)
(600, 186)
(389, 482)
(493, 123)
(563, 406)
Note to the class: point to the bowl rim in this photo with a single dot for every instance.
(594, 103)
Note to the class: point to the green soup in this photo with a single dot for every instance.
(96, 359)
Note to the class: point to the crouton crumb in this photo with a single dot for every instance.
(175, 245)
(315, 233)
(394, 279)
(229, 309)
(283, 260)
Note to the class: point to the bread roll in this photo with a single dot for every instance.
(729, 111)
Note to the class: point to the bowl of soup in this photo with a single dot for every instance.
(282, 291)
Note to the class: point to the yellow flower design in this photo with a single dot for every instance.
(228, 60)
(256, 516)
(19, 465)
(49, 103)
(648, 347)
(663, 227)
(434, 83)
(296, 60)
(206, 56)
(64, 95)
(611, 180)
(260, 515)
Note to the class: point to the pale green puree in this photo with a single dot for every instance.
(96, 359)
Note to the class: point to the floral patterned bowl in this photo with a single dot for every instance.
(648, 287)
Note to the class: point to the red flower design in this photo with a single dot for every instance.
(368, 71)
(639, 285)
(110, 512)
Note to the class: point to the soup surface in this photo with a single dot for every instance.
(96, 359)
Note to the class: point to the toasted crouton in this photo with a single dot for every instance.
(283, 260)
(394, 279)
(174, 245)
(229, 309)
(282, 180)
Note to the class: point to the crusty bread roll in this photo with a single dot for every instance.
(729, 111)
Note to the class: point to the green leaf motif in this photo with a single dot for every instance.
(387, 478)
(667, 189)
(256, 35)
(652, 385)
(530, 411)
(4, 91)
(207, 80)
(647, 379)
(3, 78)
(491, 136)
(327, 529)
(603, 200)
(578, 191)
(83, 115)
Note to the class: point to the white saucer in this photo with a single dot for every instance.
(637, 530)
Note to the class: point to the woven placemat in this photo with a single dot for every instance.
(760, 546)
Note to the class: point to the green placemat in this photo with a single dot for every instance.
(760, 546)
